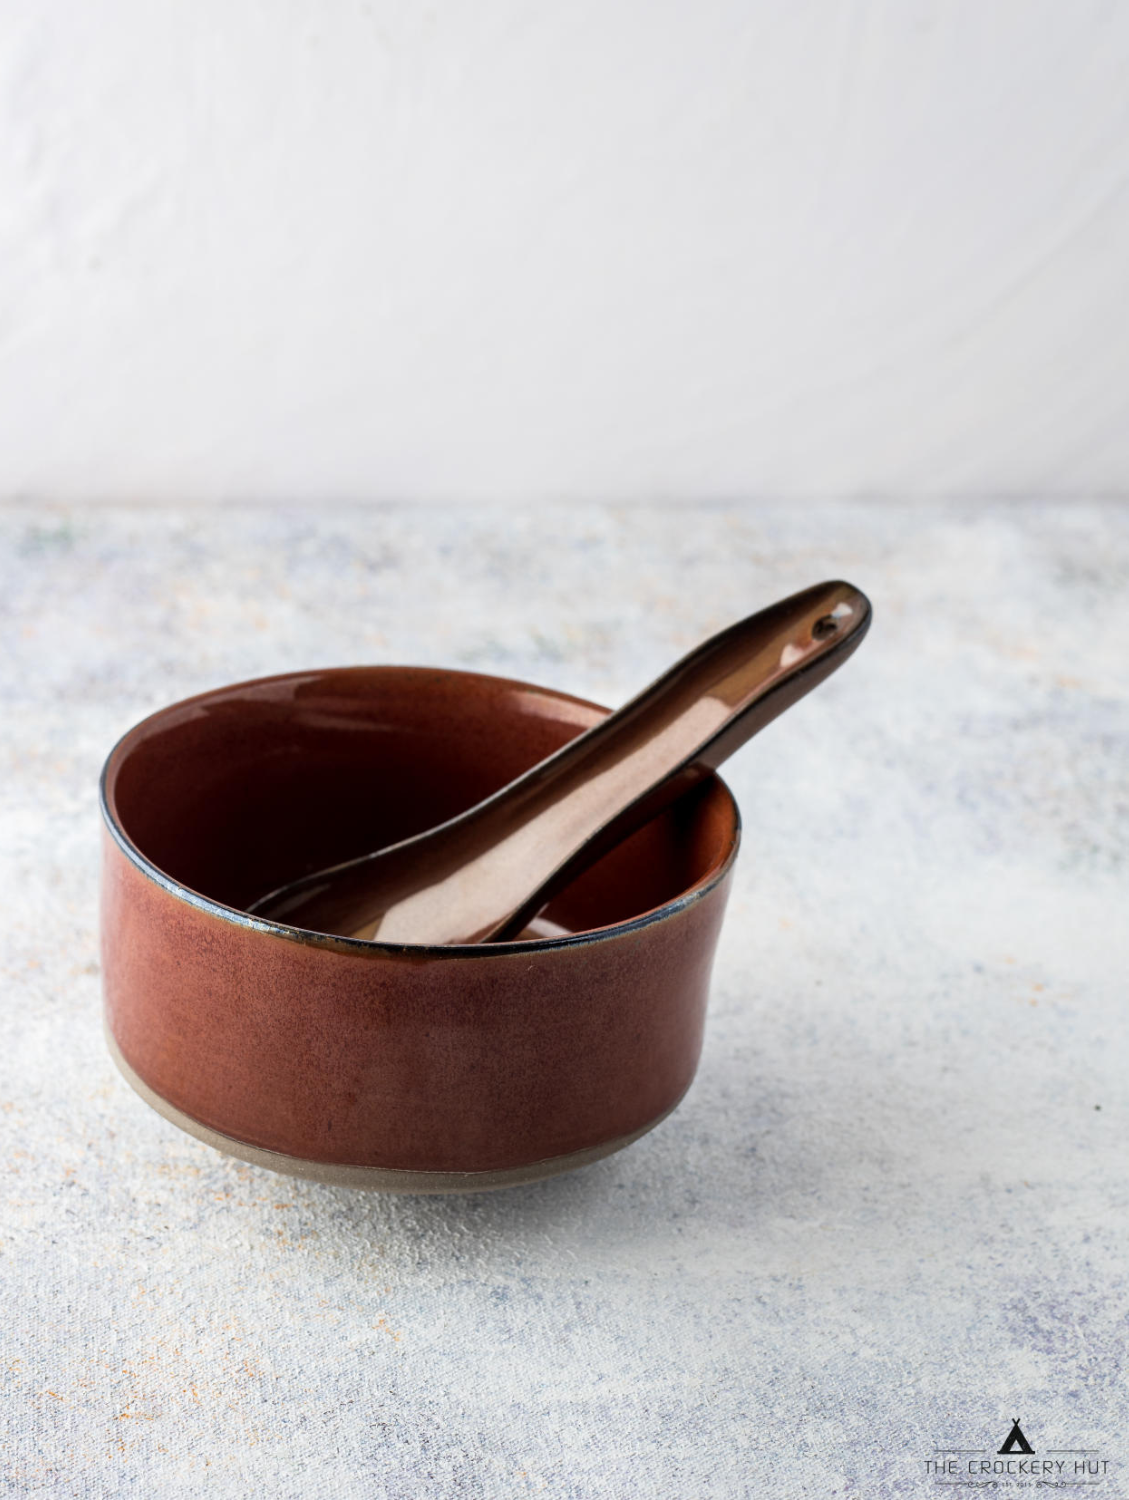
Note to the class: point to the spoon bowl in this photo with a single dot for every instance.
(426, 1068)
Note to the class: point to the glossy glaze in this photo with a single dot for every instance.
(502, 1061)
(484, 874)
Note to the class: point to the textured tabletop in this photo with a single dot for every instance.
(892, 1214)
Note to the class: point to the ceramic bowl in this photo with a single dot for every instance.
(417, 1069)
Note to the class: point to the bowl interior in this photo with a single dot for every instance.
(242, 789)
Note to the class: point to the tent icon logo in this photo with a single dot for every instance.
(1015, 1442)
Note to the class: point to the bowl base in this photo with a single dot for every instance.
(375, 1179)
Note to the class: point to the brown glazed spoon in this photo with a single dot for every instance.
(483, 875)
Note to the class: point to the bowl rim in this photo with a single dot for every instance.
(366, 947)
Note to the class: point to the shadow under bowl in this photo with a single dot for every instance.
(418, 1068)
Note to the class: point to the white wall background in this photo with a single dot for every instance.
(359, 248)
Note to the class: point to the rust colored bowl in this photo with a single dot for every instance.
(418, 1069)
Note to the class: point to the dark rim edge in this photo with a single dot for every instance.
(337, 944)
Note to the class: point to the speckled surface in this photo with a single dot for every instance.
(893, 1211)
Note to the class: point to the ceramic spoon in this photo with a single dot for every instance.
(481, 876)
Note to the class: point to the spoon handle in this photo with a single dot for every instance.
(611, 780)
(483, 875)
